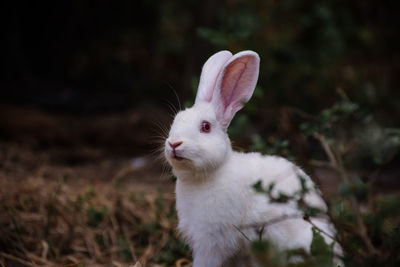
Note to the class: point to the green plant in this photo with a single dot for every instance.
(354, 207)
(367, 224)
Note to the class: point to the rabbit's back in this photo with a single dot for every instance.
(283, 174)
(226, 204)
(286, 227)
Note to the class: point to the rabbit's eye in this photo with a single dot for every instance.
(205, 127)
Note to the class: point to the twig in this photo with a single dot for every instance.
(11, 257)
(19, 240)
(326, 148)
(40, 260)
(131, 248)
(137, 264)
(336, 164)
(362, 229)
(120, 175)
(302, 113)
(287, 217)
(240, 231)
(307, 219)
(342, 94)
(183, 262)
(260, 232)
(146, 254)
(319, 163)
(45, 249)
(272, 221)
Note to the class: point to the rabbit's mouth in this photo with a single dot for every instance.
(176, 156)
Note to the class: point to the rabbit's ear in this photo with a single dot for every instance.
(209, 75)
(235, 85)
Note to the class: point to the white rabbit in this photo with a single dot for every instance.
(214, 194)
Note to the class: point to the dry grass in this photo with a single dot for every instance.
(50, 223)
(52, 216)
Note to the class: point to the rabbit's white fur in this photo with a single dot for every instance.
(214, 193)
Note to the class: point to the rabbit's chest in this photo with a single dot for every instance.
(215, 205)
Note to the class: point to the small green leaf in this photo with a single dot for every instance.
(312, 211)
(271, 187)
(259, 246)
(124, 251)
(96, 216)
(282, 198)
(258, 187)
(322, 252)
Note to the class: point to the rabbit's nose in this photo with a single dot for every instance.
(174, 145)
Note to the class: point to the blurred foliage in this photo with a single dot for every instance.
(367, 224)
(355, 135)
(329, 118)
(308, 49)
(272, 146)
(79, 56)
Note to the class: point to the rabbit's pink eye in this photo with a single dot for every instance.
(205, 127)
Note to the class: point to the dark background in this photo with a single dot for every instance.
(86, 56)
(102, 73)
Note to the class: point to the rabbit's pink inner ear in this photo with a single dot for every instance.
(236, 84)
(209, 75)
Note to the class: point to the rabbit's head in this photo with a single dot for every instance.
(198, 139)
